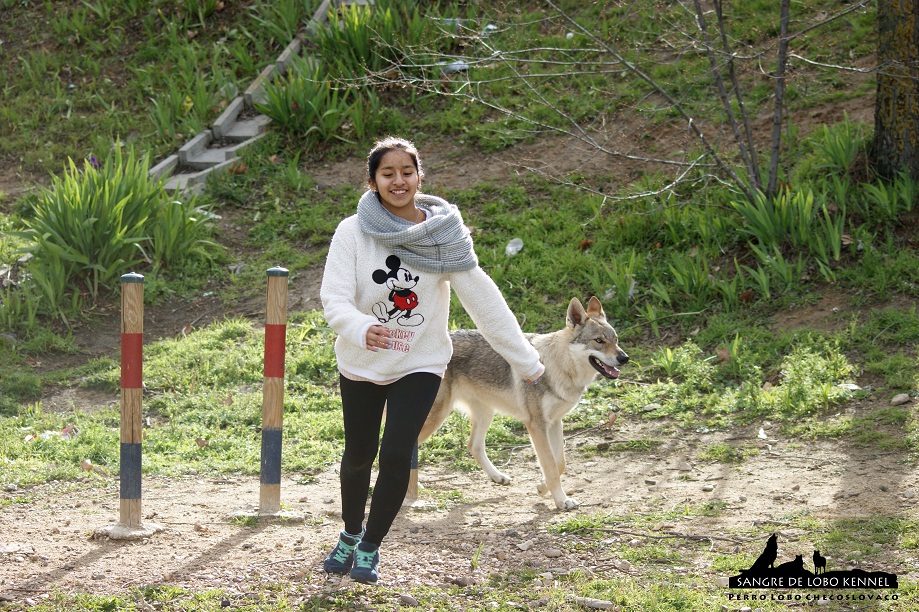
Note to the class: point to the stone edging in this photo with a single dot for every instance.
(217, 148)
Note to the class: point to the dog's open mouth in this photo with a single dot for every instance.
(602, 368)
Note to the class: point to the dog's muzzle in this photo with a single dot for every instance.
(607, 370)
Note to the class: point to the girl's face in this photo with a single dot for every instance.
(396, 181)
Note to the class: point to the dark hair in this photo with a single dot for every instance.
(390, 143)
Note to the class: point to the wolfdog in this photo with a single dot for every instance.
(480, 383)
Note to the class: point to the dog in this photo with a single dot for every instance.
(819, 562)
(766, 559)
(480, 383)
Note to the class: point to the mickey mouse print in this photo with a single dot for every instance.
(402, 298)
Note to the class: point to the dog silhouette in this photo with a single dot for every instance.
(792, 566)
(819, 563)
(767, 559)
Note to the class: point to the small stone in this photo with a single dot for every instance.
(684, 466)
(512, 533)
(722, 581)
(650, 482)
(554, 553)
(650, 407)
(796, 488)
(899, 400)
(525, 546)
(708, 488)
(408, 600)
(625, 566)
(742, 498)
(547, 576)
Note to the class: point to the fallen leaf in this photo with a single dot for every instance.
(746, 297)
(201, 442)
(723, 355)
(585, 244)
(276, 159)
(239, 167)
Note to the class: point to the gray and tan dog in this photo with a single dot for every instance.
(480, 383)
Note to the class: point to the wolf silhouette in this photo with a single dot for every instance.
(795, 566)
(819, 563)
(766, 560)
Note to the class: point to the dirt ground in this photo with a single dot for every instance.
(51, 543)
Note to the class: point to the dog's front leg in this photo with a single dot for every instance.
(550, 469)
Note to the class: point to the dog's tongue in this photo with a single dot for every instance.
(611, 372)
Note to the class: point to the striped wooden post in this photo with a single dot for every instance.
(273, 391)
(132, 389)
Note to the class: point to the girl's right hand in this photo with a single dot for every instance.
(377, 338)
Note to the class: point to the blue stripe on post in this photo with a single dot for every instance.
(271, 457)
(130, 470)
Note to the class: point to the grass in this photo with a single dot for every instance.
(691, 281)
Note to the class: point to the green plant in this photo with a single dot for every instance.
(89, 224)
(177, 233)
(280, 19)
(303, 103)
(839, 146)
(776, 221)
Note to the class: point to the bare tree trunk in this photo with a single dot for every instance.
(779, 101)
(896, 111)
(744, 141)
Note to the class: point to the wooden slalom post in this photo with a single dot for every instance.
(273, 392)
(130, 524)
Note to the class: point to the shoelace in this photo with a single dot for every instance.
(364, 558)
(341, 555)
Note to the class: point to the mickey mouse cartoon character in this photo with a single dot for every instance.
(400, 283)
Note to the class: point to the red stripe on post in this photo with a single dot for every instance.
(275, 338)
(132, 361)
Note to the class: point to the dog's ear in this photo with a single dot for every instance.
(595, 308)
(576, 313)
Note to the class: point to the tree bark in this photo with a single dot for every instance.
(896, 111)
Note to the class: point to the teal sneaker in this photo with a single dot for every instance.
(341, 558)
(366, 563)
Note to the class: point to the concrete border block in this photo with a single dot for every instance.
(227, 118)
(255, 91)
(319, 17)
(232, 151)
(164, 168)
(287, 55)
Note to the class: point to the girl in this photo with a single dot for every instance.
(386, 293)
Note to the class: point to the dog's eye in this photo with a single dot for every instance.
(599, 340)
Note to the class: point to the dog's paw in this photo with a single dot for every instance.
(543, 489)
(501, 479)
(568, 504)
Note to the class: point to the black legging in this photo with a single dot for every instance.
(408, 402)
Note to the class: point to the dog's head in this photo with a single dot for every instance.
(597, 336)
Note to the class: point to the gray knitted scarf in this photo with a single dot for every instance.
(439, 244)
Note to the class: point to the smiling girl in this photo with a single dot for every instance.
(386, 293)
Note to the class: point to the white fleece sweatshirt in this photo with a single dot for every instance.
(364, 284)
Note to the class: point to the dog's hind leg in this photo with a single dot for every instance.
(442, 408)
(539, 436)
(480, 418)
